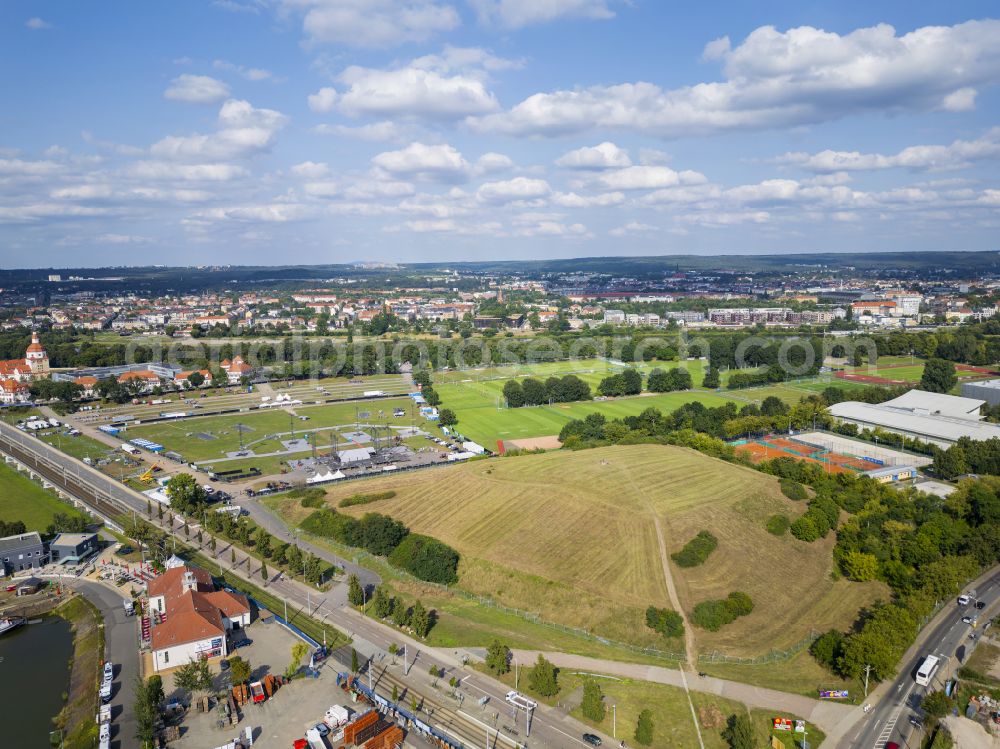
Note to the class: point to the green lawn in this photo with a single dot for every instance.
(265, 428)
(474, 395)
(479, 419)
(23, 499)
(79, 447)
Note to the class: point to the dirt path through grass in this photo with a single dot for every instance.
(675, 602)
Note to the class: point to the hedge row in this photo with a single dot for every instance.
(714, 614)
(696, 550)
(364, 499)
(422, 556)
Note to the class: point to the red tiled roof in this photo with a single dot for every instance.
(168, 584)
(187, 626)
(192, 615)
(230, 604)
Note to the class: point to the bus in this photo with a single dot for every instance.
(926, 670)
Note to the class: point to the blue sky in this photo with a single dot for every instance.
(316, 131)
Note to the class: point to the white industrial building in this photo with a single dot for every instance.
(930, 417)
(988, 390)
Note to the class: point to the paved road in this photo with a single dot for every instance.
(896, 701)
(121, 640)
(552, 727)
(824, 714)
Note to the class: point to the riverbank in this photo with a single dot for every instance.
(77, 718)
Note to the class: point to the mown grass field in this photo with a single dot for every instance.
(476, 405)
(183, 435)
(476, 396)
(570, 536)
(23, 499)
(79, 447)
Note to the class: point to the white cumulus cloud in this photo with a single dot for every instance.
(779, 79)
(438, 163)
(244, 130)
(196, 89)
(323, 100)
(373, 23)
(648, 178)
(957, 155)
(411, 91)
(606, 155)
(515, 14)
(508, 191)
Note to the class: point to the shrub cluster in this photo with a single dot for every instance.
(665, 621)
(714, 614)
(793, 490)
(426, 558)
(777, 525)
(696, 550)
(364, 499)
(422, 556)
(821, 517)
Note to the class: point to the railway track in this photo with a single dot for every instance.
(86, 491)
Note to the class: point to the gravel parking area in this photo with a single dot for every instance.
(276, 722)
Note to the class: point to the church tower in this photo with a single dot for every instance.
(36, 358)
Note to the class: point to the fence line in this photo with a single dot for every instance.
(775, 656)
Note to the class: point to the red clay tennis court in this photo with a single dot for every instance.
(758, 453)
(769, 448)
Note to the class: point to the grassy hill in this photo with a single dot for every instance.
(571, 536)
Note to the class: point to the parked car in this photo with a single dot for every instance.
(963, 600)
(592, 738)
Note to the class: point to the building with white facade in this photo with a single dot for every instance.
(192, 620)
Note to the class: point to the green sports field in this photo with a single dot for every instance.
(476, 396)
(212, 437)
(479, 419)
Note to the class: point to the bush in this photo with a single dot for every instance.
(827, 649)
(804, 529)
(364, 499)
(714, 614)
(696, 550)
(426, 558)
(592, 705)
(314, 497)
(644, 728)
(793, 490)
(328, 523)
(375, 533)
(777, 525)
(668, 623)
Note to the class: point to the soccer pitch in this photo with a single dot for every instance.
(480, 420)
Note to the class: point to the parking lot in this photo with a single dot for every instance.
(276, 722)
